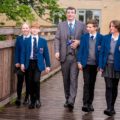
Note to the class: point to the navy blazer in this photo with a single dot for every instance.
(18, 49)
(42, 53)
(105, 50)
(83, 51)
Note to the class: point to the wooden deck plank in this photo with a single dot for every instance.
(52, 98)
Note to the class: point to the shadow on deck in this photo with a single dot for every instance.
(52, 98)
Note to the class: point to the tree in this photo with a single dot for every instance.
(22, 9)
(16, 11)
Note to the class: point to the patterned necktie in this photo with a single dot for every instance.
(70, 29)
(34, 48)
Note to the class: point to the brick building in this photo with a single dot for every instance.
(102, 10)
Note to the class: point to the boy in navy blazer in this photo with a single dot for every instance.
(25, 29)
(35, 59)
(88, 56)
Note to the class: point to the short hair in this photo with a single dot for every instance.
(93, 22)
(70, 8)
(25, 23)
(35, 24)
(116, 24)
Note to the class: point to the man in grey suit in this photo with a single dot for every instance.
(66, 43)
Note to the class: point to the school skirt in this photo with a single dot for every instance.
(109, 71)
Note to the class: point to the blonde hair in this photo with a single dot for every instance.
(25, 23)
(35, 24)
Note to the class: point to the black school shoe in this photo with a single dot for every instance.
(87, 108)
(70, 107)
(109, 112)
(91, 109)
(31, 106)
(66, 104)
(38, 104)
(26, 101)
(18, 102)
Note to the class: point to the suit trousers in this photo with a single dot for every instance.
(111, 92)
(89, 76)
(20, 80)
(70, 78)
(34, 78)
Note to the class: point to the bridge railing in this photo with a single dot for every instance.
(8, 79)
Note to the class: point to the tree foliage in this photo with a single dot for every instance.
(16, 11)
(22, 9)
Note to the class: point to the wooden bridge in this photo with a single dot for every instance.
(52, 92)
(52, 99)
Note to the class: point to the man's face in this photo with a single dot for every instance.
(34, 30)
(91, 29)
(25, 29)
(70, 14)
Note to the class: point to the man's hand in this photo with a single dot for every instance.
(22, 68)
(75, 44)
(17, 65)
(47, 70)
(80, 66)
(57, 56)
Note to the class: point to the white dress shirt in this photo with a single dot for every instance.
(73, 23)
(94, 35)
(115, 38)
(26, 36)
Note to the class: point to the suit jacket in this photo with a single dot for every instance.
(42, 53)
(18, 49)
(83, 52)
(61, 37)
(104, 53)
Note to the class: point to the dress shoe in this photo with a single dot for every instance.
(91, 108)
(70, 107)
(31, 106)
(113, 111)
(26, 102)
(85, 108)
(109, 112)
(38, 104)
(18, 102)
(66, 104)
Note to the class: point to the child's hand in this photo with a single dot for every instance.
(22, 68)
(47, 69)
(57, 56)
(101, 71)
(80, 66)
(17, 65)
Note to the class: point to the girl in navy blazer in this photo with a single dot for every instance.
(25, 29)
(109, 64)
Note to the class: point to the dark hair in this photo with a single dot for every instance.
(94, 22)
(70, 8)
(116, 24)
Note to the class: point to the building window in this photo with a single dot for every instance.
(86, 15)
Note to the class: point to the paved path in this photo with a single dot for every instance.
(52, 98)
